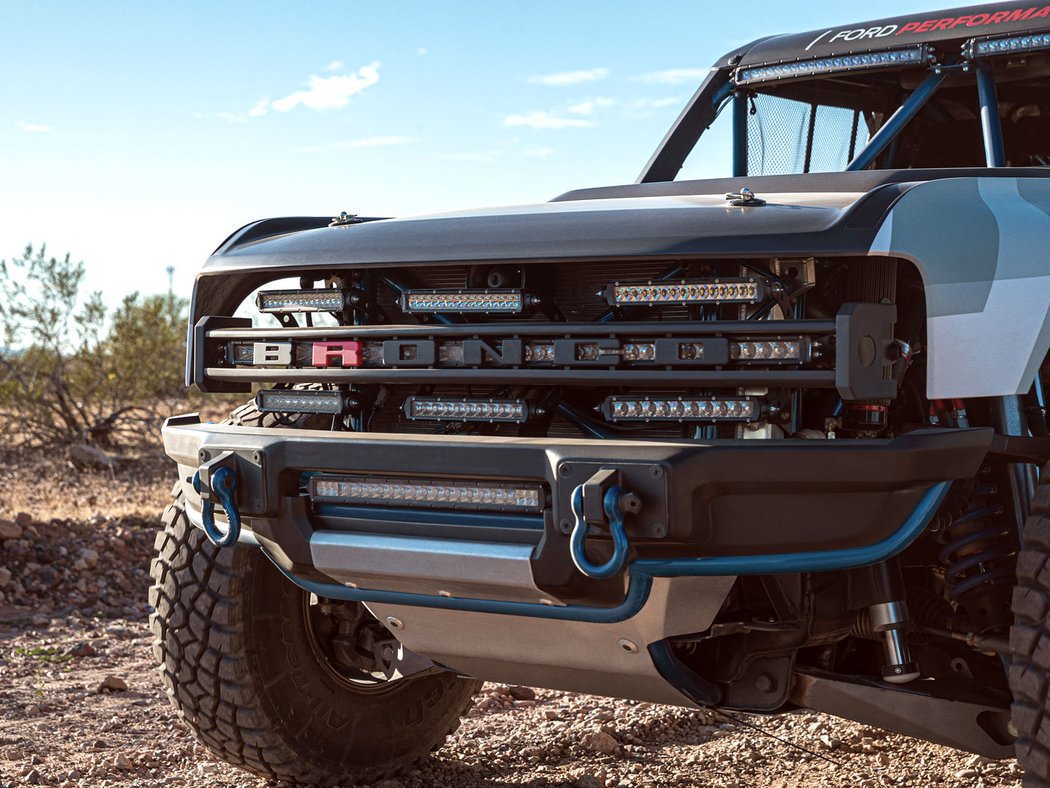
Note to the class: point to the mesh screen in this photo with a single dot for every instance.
(786, 136)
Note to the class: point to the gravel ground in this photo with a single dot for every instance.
(81, 704)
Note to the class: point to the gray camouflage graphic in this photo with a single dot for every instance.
(982, 246)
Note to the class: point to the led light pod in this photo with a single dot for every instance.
(492, 410)
(429, 493)
(989, 47)
(300, 401)
(767, 351)
(324, 300)
(890, 58)
(641, 408)
(727, 290)
(510, 302)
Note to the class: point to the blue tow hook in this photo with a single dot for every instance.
(223, 487)
(613, 503)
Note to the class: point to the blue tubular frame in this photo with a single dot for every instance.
(898, 120)
(991, 125)
(641, 574)
(740, 134)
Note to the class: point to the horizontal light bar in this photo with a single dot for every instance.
(706, 291)
(620, 408)
(325, 300)
(300, 401)
(912, 56)
(464, 301)
(988, 47)
(445, 494)
(766, 350)
(438, 409)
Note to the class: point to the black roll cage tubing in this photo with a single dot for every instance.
(718, 90)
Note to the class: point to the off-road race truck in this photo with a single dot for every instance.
(759, 443)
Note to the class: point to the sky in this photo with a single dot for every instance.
(137, 136)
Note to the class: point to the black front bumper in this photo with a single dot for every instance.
(727, 498)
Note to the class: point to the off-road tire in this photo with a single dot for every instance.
(1030, 642)
(229, 634)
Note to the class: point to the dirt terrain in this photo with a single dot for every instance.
(81, 704)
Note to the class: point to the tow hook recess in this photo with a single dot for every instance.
(216, 481)
(601, 502)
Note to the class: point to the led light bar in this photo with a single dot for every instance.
(621, 408)
(300, 401)
(762, 351)
(988, 47)
(734, 290)
(890, 58)
(444, 494)
(509, 302)
(438, 409)
(325, 300)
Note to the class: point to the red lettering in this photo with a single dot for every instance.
(962, 20)
(997, 17)
(942, 24)
(1018, 16)
(908, 27)
(1042, 12)
(925, 26)
(977, 20)
(336, 354)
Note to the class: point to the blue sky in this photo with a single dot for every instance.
(138, 135)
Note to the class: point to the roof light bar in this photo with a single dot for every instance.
(1010, 45)
(890, 58)
(444, 494)
(728, 290)
(620, 408)
(509, 302)
(765, 351)
(492, 410)
(324, 300)
(300, 401)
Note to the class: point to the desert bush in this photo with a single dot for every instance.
(72, 371)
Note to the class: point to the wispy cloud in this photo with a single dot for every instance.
(335, 65)
(545, 120)
(422, 51)
(587, 107)
(647, 107)
(361, 142)
(537, 153)
(32, 128)
(233, 117)
(672, 76)
(480, 158)
(562, 78)
(322, 92)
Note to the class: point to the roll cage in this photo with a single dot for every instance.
(887, 85)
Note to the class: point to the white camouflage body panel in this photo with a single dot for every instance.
(982, 247)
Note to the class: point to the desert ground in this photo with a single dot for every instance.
(81, 703)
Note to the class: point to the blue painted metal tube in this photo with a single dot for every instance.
(991, 125)
(816, 561)
(634, 601)
(898, 120)
(740, 135)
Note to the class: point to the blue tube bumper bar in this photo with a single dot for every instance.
(642, 574)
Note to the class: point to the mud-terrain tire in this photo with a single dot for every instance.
(229, 634)
(1030, 642)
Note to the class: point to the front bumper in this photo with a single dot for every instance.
(720, 509)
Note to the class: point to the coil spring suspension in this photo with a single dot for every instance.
(979, 558)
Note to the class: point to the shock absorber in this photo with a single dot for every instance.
(979, 558)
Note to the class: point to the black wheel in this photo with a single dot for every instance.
(1030, 642)
(253, 664)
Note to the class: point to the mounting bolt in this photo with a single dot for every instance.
(659, 529)
(656, 472)
(565, 526)
(565, 469)
(394, 623)
(765, 683)
(629, 646)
